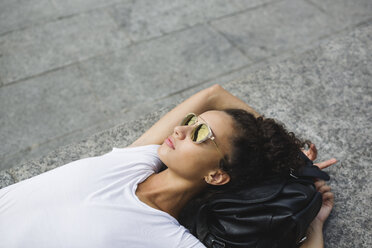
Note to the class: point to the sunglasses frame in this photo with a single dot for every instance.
(210, 132)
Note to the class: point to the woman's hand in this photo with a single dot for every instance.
(315, 230)
(321, 186)
(312, 153)
(327, 163)
(328, 201)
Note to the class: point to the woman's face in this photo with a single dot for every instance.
(192, 161)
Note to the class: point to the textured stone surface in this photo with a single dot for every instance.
(70, 7)
(20, 13)
(41, 48)
(324, 94)
(344, 11)
(139, 73)
(63, 94)
(35, 150)
(252, 3)
(5, 179)
(272, 30)
(147, 19)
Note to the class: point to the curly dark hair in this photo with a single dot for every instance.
(262, 147)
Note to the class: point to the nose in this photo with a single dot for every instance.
(180, 132)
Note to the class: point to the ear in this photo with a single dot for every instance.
(217, 177)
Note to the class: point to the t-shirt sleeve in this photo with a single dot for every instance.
(146, 156)
(156, 163)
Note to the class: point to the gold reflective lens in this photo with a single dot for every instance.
(189, 120)
(200, 133)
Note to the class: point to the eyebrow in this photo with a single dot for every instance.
(214, 134)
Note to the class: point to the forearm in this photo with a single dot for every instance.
(222, 99)
(197, 103)
(314, 236)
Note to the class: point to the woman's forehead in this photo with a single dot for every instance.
(216, 118)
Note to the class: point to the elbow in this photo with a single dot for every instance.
(215, 88)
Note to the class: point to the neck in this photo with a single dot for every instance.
(167, 192)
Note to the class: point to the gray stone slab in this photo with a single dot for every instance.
(45, 107)
(45, 146)
(346, 12)
(16, 14)
(5, 179)
(240, 73)
(274, 28)
(147, 19)
(143, 72)
(71, 7)
(45, 47)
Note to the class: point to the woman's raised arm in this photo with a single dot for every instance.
(222, 99)
(197, 103)
(211, 98)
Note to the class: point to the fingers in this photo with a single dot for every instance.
(306, 152)
(319, 184)
(325, 190)
(328, 199)
(327, 163)
(313, 152)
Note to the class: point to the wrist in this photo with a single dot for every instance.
(317, 224)
(314, 235)
(315, 228)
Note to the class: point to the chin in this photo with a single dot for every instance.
(162, 153)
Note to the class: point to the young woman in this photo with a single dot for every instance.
(122, 199)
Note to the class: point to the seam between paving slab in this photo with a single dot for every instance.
(132, 43)
(318, 7)
(107, 53)
(59, 17)
(230, 42)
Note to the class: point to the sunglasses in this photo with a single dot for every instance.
(201, 132)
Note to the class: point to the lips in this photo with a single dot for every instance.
(169, 142)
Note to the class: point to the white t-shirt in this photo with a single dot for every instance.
(90, 203)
